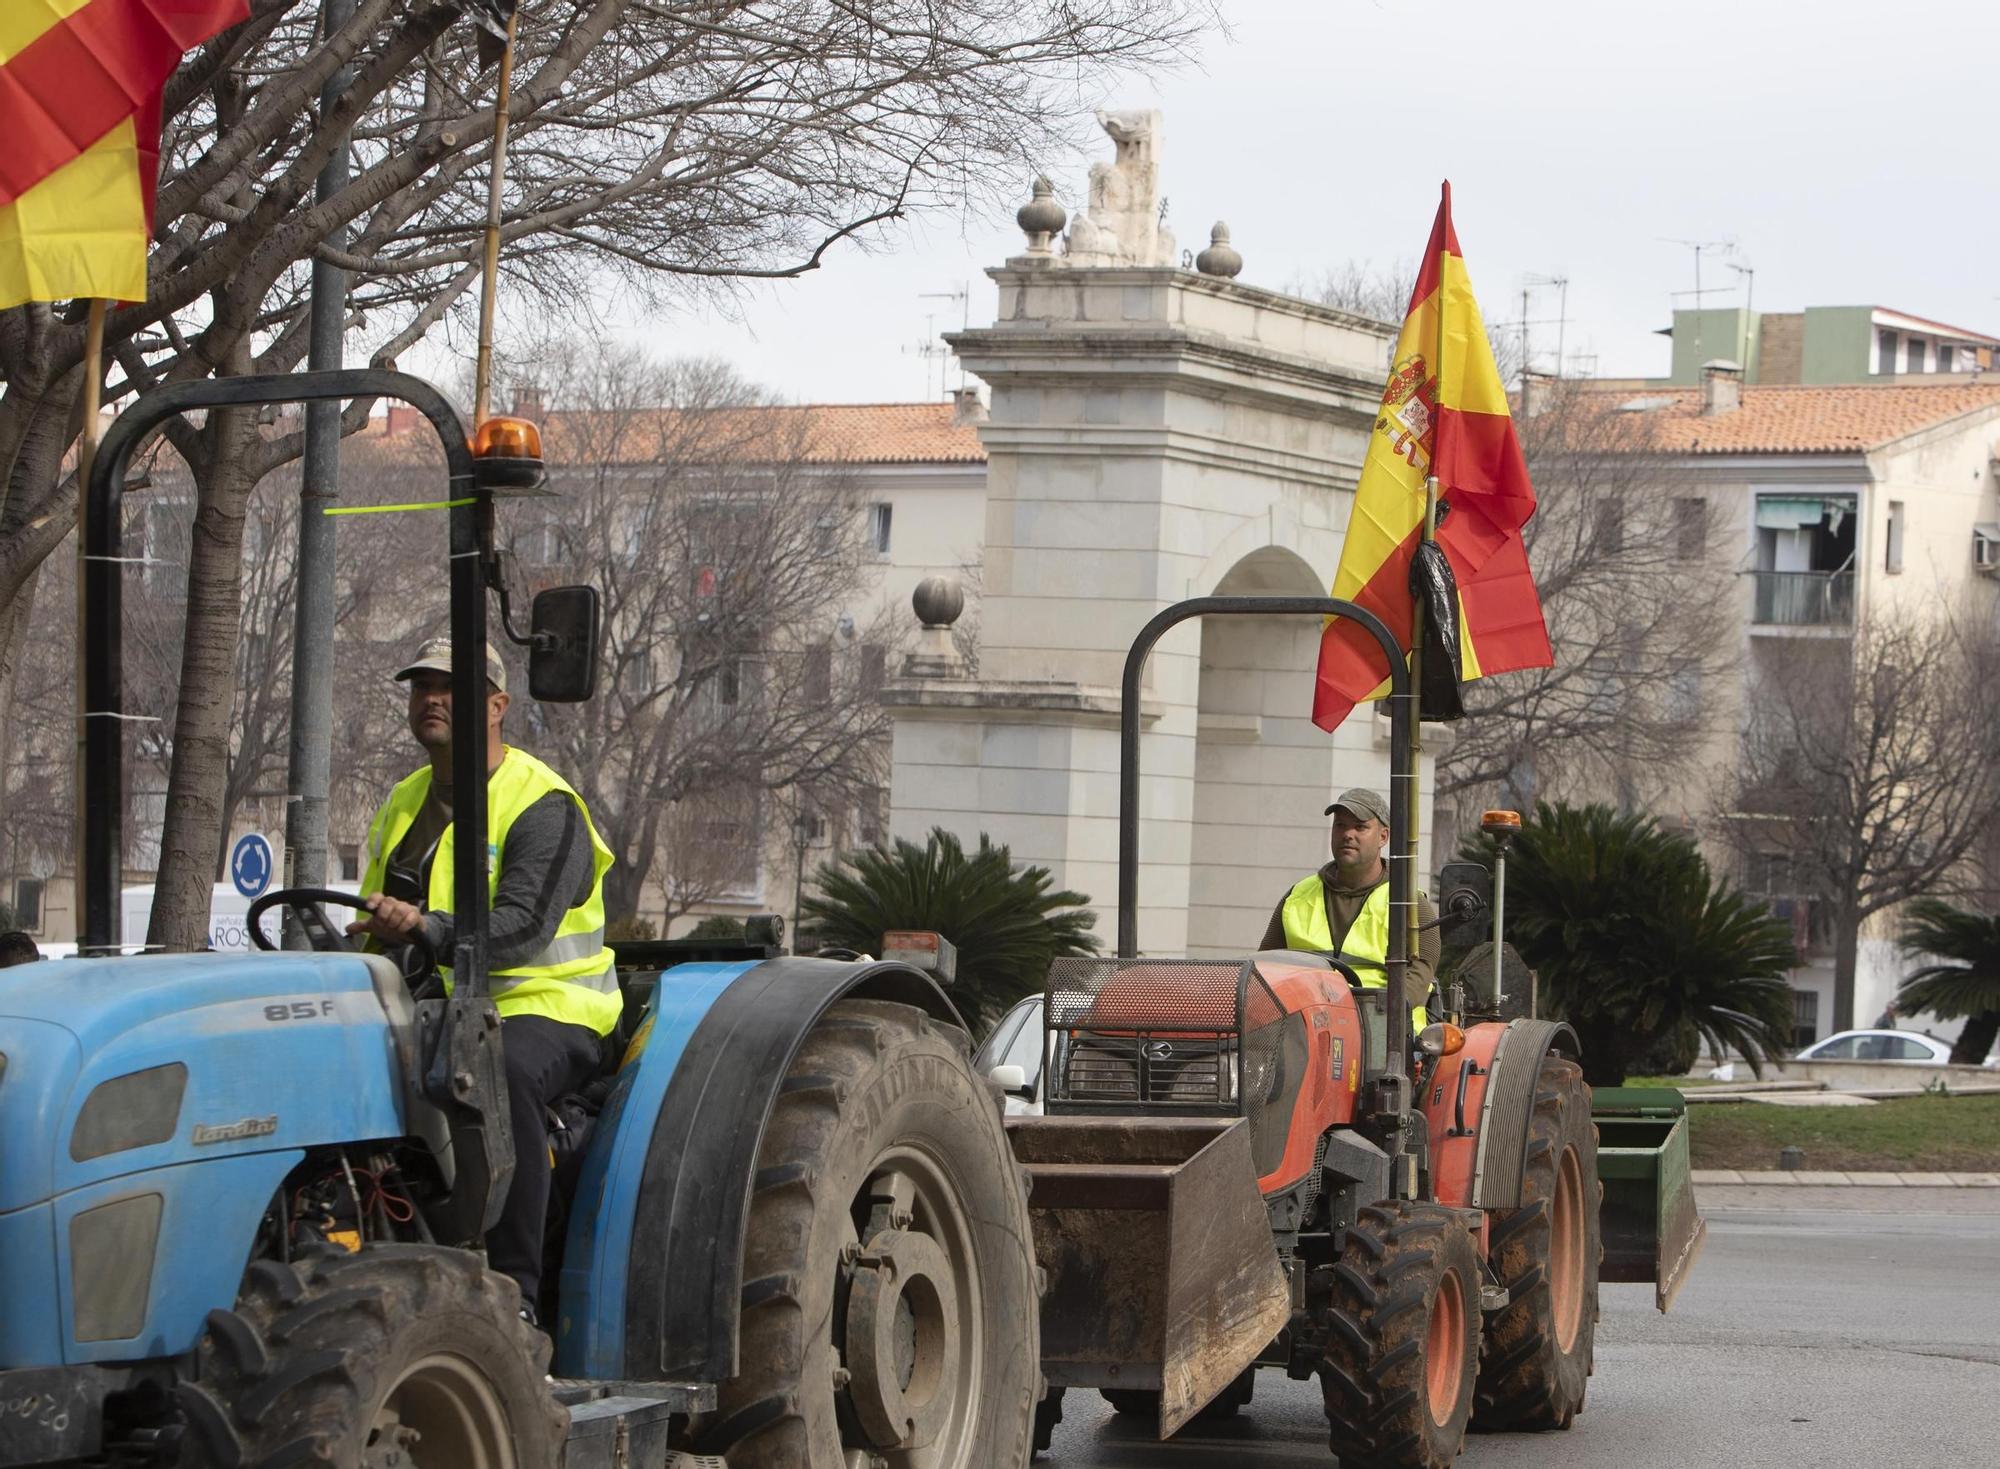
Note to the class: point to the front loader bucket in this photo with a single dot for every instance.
(1652, 1231)
(1161, 1269)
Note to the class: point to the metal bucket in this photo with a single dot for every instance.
(1652, 1230)
(1162, 1273)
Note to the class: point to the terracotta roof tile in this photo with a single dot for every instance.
(816, 433)
(1802, 420)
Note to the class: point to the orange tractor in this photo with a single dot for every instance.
(1255, 1163)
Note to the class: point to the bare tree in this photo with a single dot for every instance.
(659, 146)
(1635, 592)
(726, 556)
(1871, 770)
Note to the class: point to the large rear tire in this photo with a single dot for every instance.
(1538, 1353)
(891, 1309)
(397, 1355)
(1403, 1338)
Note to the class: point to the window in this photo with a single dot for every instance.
(1892, 546)
(819, 674)
(878, 528)
(1610, 520)
(635, 676)
(1805, 1017)
(874, 668)
(1690, 528)
(1885, 352)
(350, 862)
(1840, 1050)
(1916, 362)
(1683, 703)
(1904, 1048)
(28, 903)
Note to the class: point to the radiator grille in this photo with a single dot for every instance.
(1137, 1034)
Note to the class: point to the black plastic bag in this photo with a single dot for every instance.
(1436, 592)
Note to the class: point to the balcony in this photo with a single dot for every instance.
(1804, 598)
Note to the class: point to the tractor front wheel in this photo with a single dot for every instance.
(403, 1355)
(1537, 1355)
(1403, 1338)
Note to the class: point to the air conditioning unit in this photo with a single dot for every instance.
(1986, 547)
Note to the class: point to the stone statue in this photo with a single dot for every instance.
(1121, 225)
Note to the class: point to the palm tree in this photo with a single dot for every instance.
(1962, 977)
(1005, 922)
(1638, 946)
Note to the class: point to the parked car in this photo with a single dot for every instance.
(1913, 1047)
(1011, 1057)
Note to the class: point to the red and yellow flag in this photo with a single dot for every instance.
(1444, 412)
(80, 84)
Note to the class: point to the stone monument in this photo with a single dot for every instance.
(1154, 434)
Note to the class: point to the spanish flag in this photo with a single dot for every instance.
(1444, 413)
(80, 85)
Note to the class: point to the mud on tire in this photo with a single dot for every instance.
(883, 1147)
(343, 1359)
(1537, 1355)
(1403, 1338)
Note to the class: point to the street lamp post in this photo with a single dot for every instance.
(801, 843)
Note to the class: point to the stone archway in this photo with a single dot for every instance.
(1262, 771)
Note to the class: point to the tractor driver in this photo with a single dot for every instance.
(1344, 907)
(552, 977)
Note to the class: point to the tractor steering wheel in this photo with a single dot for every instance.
(321, 932)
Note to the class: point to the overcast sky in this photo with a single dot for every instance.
(1846, 149)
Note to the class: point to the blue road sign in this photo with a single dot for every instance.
(251, 865)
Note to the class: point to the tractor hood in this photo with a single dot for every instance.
(115, 1066)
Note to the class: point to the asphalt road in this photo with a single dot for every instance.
(1864, 1334)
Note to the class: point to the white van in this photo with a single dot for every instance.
(228, 918)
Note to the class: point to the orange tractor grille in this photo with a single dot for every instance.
(1167, 1036)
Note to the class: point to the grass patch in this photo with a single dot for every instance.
(1908, 1134)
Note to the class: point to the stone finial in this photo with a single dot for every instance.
(938, 601)
(1041, 219)
(1220, 258)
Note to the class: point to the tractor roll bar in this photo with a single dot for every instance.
(1402, 780)
(101, 776)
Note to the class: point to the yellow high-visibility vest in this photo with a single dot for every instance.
(1309, 926)
(573, 979)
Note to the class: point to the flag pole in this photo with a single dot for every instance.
(86, 458)
(1412, 838)
(482, 391)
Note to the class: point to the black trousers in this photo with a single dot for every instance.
(545, 1059)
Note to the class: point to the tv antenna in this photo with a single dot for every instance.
(930, 348)
(1701, 248)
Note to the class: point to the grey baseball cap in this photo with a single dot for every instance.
(1367, 804)
(435, 657)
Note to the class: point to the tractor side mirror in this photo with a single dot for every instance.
(562, 645)
(1467, 889)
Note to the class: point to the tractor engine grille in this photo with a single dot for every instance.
(1142, 1034)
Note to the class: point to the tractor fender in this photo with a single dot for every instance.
(654, 1262)
(1480, 1105)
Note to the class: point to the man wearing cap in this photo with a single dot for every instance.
(553, 980)
(1344, 907)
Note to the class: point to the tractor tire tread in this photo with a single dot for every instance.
(1527, 1382)
(1372, 1373)
(771, 1414)
(294, 1374)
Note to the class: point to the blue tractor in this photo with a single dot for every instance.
(241, 1196)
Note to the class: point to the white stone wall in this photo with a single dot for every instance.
(1153, 435)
